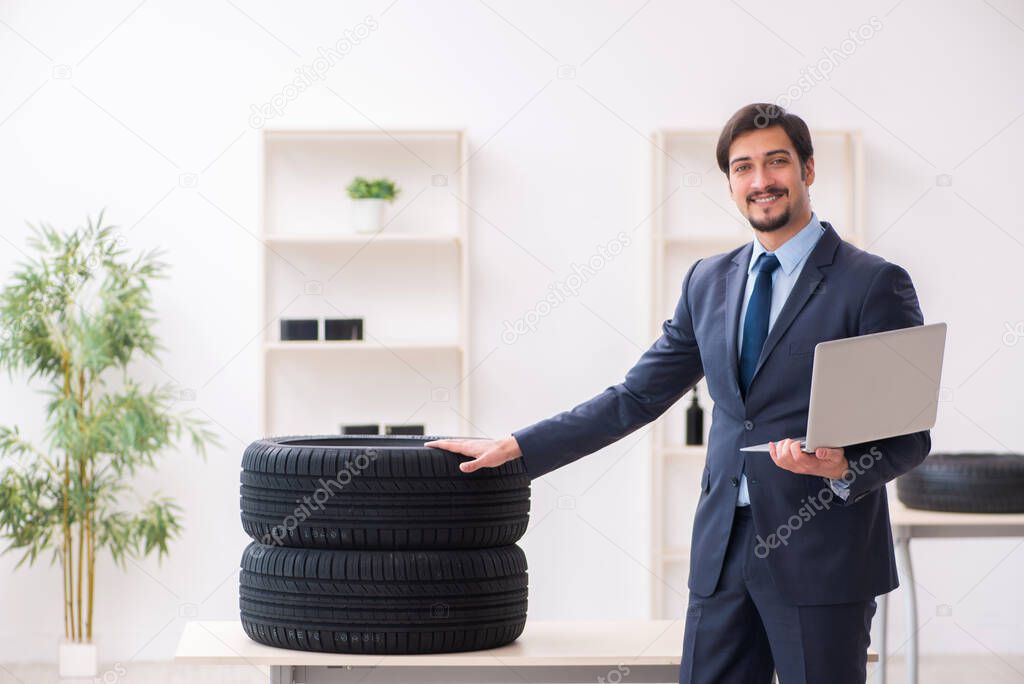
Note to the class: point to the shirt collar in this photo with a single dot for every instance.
(793, 250)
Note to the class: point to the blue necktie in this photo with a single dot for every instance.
(755, 325)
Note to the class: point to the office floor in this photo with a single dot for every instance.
(944, 669)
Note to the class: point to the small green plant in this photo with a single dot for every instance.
(75, 317)
(379, 188)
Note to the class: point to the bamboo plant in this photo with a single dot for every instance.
(74, 317)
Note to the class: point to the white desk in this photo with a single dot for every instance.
(908, 523)
(613, 652)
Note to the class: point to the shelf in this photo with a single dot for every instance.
(413, 283)
(684, 451)
(715, 132)
(675, 553)
(359, 345)
(345, 239)
(316, 132)
(701, 241)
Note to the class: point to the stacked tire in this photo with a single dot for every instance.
(965, 482)
(377, 544)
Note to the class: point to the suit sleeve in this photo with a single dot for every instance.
(891, 304)
(664, 373)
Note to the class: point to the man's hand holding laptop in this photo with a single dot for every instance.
(825, 461)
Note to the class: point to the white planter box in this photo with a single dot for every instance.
(76, 660)
(367, 215)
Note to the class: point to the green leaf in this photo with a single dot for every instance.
(380, 188)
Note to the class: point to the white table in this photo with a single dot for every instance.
(613, 652)
(909, 523)
(545, 652)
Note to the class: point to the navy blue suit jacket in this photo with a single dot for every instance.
(820, 549)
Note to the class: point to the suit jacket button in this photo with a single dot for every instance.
(748, 425)
(753, 480)
(735, 481)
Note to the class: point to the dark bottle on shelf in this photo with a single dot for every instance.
(694, 422)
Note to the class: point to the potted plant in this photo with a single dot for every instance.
(74, 318)
(368, 198)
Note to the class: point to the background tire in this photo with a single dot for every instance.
(965, 483)
(377, 492)
(383, 602)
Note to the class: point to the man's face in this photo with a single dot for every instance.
(765, 180)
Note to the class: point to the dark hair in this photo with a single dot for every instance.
(762, 115)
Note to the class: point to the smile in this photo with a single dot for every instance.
(766, 200)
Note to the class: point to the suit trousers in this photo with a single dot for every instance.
(744, 631)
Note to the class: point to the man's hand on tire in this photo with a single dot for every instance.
(486, 453)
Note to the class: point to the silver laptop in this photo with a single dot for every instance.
(873, 386)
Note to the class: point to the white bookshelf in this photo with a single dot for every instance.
(409, 283)
(694, 217)
(381, 240)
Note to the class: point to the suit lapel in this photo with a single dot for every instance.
(807, 283)
(735, 282)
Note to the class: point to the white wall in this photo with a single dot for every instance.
(162, 89)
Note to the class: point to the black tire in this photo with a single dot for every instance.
(377, 492)
(965, 483)
(383, 602)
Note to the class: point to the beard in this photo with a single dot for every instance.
(770, 224)
(767, 225)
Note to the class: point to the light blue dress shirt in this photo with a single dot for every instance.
(791, 255)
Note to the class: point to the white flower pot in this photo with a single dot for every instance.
(367, 215)
(77, 660)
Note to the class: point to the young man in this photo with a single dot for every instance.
(788, 552)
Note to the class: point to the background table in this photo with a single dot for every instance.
(910, 523)
(612, 652)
